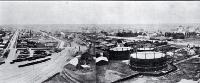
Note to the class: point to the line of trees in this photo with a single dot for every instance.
(129, 34)
(175, 35)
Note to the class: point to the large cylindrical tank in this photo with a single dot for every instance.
(148, 61)
(120, 53)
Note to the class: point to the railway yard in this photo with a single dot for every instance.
(33, 56)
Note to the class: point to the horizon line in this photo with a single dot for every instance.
(103, 24)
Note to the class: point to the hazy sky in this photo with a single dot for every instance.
(99, 12)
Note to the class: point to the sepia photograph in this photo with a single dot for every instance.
(99, 41)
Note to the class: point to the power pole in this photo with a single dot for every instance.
(95, 38)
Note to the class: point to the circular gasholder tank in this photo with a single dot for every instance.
(148, 61)
(120, 53)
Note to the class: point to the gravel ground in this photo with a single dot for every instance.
(113, 71)
(187, 70)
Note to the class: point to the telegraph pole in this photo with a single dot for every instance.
(95, 35)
